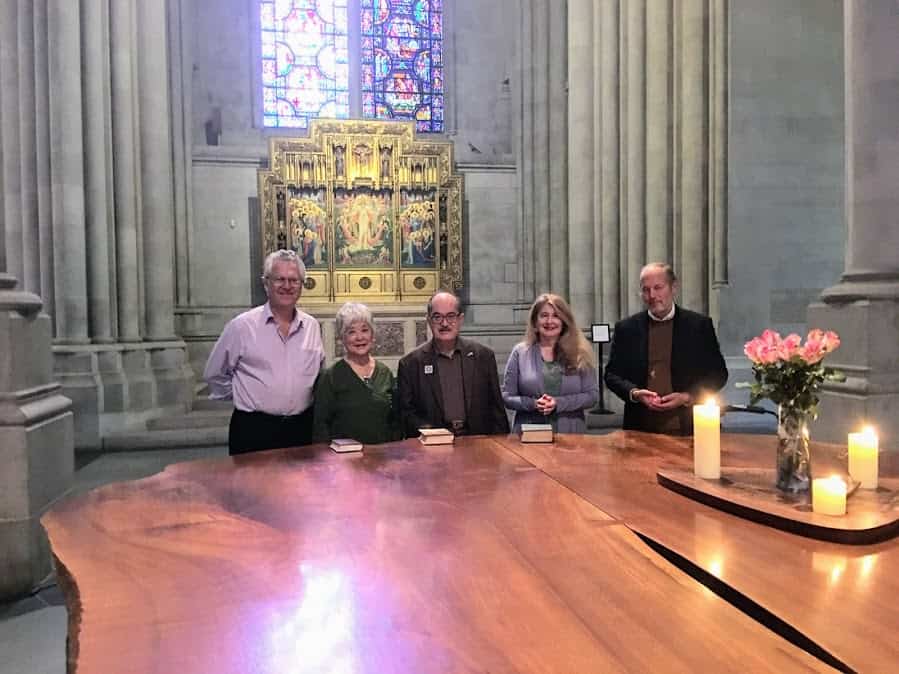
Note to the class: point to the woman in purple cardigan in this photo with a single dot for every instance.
(550, 376)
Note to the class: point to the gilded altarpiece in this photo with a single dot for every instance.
(375, 213)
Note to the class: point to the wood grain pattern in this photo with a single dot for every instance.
(841, 597)
(402, 559)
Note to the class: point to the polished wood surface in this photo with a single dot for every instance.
(406, 558)
(872, 515)
(840, 597)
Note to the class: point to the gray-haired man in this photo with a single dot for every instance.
(266, 361)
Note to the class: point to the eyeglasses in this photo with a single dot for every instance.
(450, 318)
(284, 281)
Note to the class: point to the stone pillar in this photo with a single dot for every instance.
(610, 159)
(581, 254)
(156, 171)
(633, 119)
(658, 131)
(125, 177)
(11, 197)
(36, 439)
(98, 168)
(31, 266)
(558, 154)
(693, 261)
(540, 156)
(526, 201)
(43, 183)
(864, 306)
(67, 173)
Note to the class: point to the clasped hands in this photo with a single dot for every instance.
(657, 403)
(546, 404)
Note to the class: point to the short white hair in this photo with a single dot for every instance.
(283, 256)
(353, 312)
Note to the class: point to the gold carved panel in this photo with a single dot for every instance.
(375, 213)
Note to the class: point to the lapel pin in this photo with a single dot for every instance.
(429, 369)
(470, 354)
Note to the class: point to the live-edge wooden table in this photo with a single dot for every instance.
(841, 598)
(486, 556)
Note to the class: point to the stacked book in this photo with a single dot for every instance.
(435, 436)
(346, 445)
(536, 433)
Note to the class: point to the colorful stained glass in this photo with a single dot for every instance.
(305, 61)
(402, 61)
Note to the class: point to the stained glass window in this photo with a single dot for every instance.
(305, 61)
(306, 58)
(402, 61)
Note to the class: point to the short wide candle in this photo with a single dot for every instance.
(829, 496)
(707, 441)
(863, 458)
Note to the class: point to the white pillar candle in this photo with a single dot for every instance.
(863, 457)
(829, 496)
(707, 441)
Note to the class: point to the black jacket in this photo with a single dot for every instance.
(421, 400)
(697, 366)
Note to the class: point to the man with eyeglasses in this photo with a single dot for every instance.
(266, 361)
(450, 382)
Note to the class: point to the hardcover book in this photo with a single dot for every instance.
(435, 436)
(346, 445)
(536, 433)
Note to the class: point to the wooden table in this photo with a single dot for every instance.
(841, 598)
(486, 556)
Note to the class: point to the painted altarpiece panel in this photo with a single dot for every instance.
(375, 213)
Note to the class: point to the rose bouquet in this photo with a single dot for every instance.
(790, 374)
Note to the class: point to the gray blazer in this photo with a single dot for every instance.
(523, 384)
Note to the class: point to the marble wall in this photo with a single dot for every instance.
(786, 228)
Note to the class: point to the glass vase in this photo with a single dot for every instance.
(793, 471)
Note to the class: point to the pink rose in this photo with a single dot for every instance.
(751, 349)
(789, 347)
(771, 338)
(830, 341)
(768, 354)
(813, 350)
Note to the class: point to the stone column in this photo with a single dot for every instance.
(558, 154)
(658, 131)
(42, 159)
(31, 264)
(36, 439)
(540, 157)
(610, 160)
(526, 200)
(156, 170)
(864, 306)
(125, 176)
(11, 198)
(581, 255)
(693, 153)
(98, 168)
(67, 172)
(633, 119)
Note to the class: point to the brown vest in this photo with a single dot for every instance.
(658, 377)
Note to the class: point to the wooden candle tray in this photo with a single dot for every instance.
(872, 516)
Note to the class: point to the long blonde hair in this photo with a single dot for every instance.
(573, 349)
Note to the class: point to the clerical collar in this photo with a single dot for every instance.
(667, 317)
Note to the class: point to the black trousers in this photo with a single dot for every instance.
(255, 431)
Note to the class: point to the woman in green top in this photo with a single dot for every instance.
(354, 397)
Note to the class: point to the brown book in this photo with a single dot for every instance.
(536, 433)
(435, 436)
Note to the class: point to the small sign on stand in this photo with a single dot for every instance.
(599, 333)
